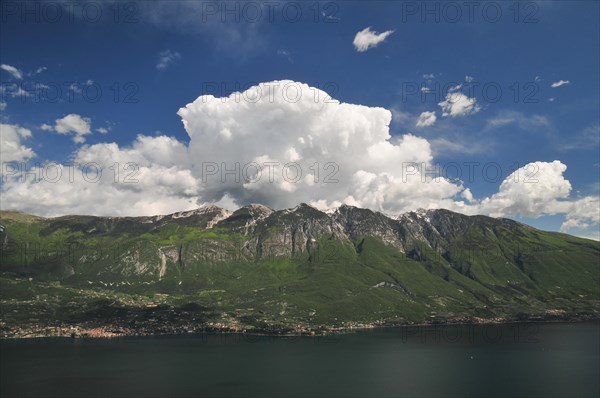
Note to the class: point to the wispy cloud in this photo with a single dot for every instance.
(559, 83)
(15, 72)
(286, 54)
(588, 138)
(167, 58)
(456, 145)
(37, 71)
(525, 122)
(231, 38)
(367, 38)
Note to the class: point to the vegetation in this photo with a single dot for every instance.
(127, 272)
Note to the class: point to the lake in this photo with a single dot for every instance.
(543, 360)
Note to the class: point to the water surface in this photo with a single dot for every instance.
(546, 360)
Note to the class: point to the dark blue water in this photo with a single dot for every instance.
(545, 360)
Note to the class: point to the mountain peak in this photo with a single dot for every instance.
(255, 210)
(302, 206)
(200, 210)
(258, 206)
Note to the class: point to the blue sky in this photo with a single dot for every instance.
(522, 55)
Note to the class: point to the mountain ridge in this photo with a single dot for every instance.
(224, 214)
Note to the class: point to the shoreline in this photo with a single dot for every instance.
(110, 333)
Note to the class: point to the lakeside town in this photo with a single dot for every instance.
(153, 327)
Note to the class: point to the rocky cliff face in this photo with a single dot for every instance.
(293, 230)
(153, 246)
(258, 232)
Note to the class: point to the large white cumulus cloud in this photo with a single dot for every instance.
(537, 188)
(344, 151)
(279, 144)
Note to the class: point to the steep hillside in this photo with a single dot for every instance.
(299, 268)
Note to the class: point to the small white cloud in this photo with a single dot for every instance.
(469, 79)
(102, 130)
(429, 76)
(2, 105)
(366, 39)
(71, 124)
(560, 83)
(426, 119)
(552, 99)
(166, 58)
(16, 73)
(458, 104)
